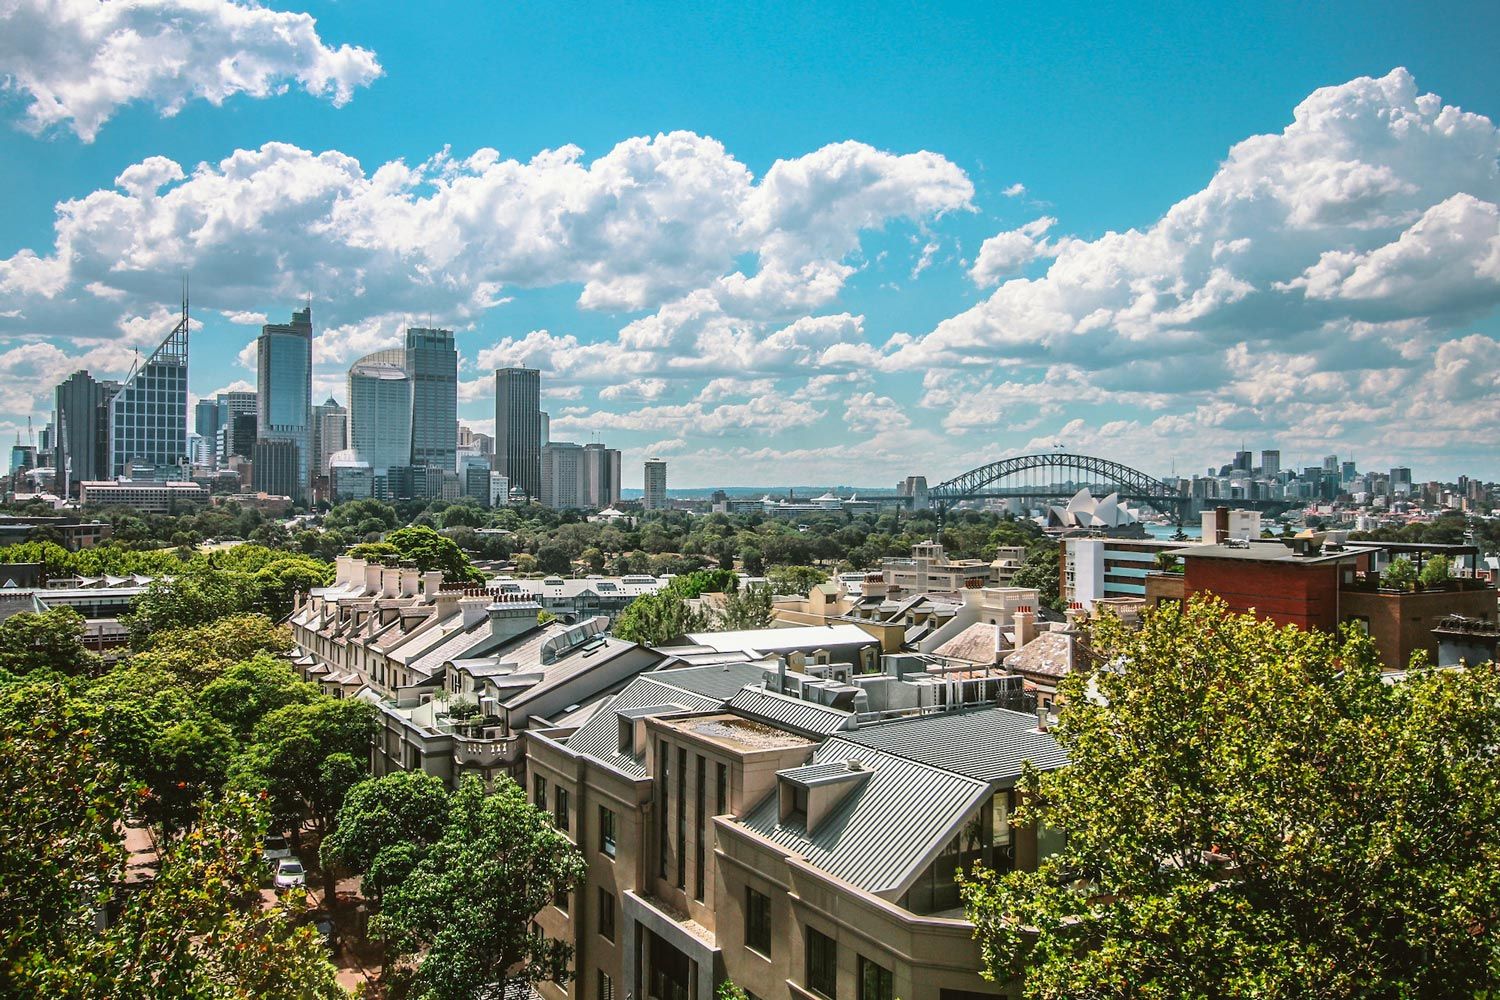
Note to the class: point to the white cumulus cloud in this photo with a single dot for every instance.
(79, 61)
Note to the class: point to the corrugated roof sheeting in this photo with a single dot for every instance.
(801, 716)
(881, 835)
(988, 744)
(697, 689)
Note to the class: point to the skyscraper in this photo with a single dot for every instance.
(656, 485)
(1270, 464)
(330, 427)
(518, 428)
(206, 418)
(601, 476)
(562, 475)
(81, 417)
(148, 415)
(380, 415)
(283, 401)
(432, 364)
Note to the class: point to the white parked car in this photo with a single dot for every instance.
(289, 874)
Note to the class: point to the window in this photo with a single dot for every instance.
(606, 914)
(561, 900)
(681, 817)
(822, 964)
(698, 804)
(539, 792)
(664, 792)
(560, 812)
(721, 796)
(875, 982)
(606, 831)
(606, 986)
(757, 921)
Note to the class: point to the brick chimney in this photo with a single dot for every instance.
(372, 578)
(1025, 624)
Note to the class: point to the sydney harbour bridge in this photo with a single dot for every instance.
(1052, 476)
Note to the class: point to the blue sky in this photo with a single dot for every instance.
(798, 242)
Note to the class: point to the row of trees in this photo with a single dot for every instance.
(188, 933)
(205, 736)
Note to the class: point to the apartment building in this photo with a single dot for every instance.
(1092, 568)
(455, 673)
(735, 826)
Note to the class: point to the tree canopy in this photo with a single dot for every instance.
(187, 933)
(1250, 811)
(461, 919)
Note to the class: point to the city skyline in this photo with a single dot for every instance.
(876, 288)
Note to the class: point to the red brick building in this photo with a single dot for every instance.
(1314, 588)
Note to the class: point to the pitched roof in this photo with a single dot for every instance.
(988, 744)
(1046, 653)
(807, 718)
(697, 689)
(881, 836)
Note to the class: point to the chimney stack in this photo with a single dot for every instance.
(1025, 623)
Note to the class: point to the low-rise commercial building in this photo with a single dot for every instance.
(146, 496)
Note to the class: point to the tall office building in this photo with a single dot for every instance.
(148, 415)
(432, 364)
(1242, 460)
(283, 403)
(277, 467)
(518, 428)
(81, 417)
(1331, 465)
(562, 475)
(655, 497)
(601, 476)
(1270, 464)
(546, 424)
(206, 418)
(1400, 482)
(330, 428)
(1349, 472)
(231, 404)
(380, 394)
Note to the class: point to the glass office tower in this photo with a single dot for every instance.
(432, 364)
(518, 428)
(148, 415)
(283, 400)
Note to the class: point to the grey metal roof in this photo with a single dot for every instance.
(696, 689)
(882, 835)
(804, 717)
(988, 744)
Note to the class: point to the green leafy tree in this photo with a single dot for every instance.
(249, 690)
(753, 561)
(795, 579)
(1436, 571)
(1249, 811)
(61, 802)
(1039, 572)
(1400, 574)
(431, 551)
(750, 607)
(46, 641)
(199, 653)
(190, 933)
(288, 751)
(187, 933)
(655, 619)
(462, 917)
(704, 581)
(394, 812)
(553, 559)
(192, 597)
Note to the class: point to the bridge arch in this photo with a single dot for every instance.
(1099, 474)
